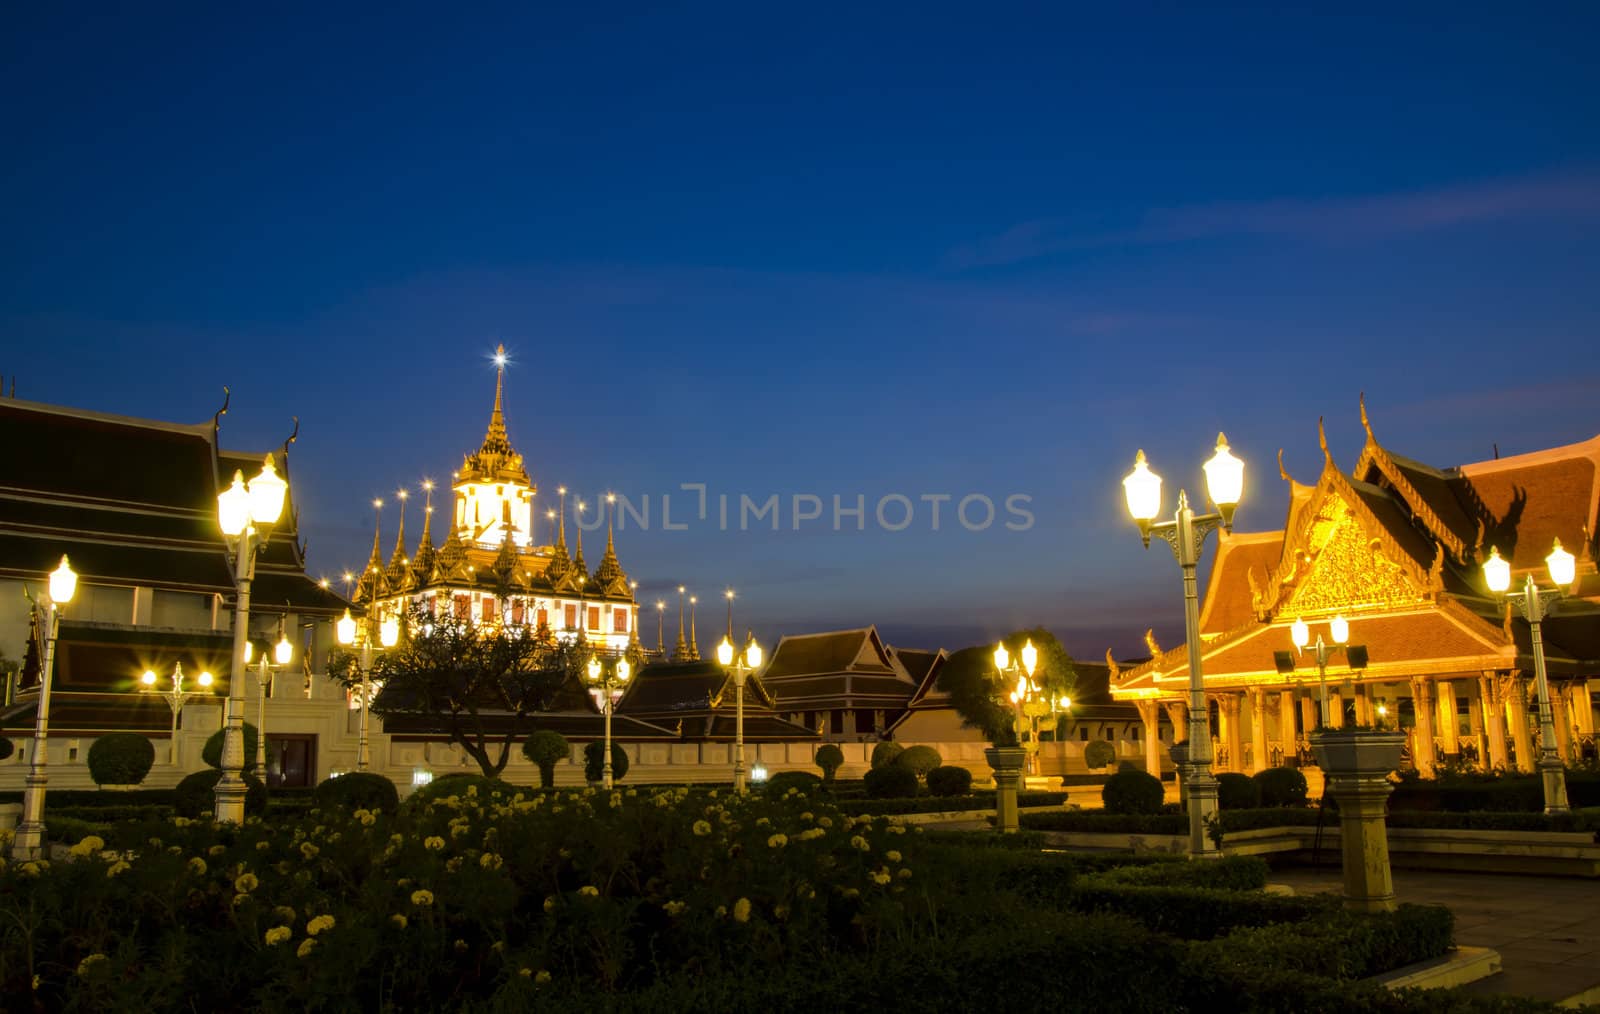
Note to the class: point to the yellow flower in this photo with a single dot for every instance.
(245, 883)
(898, 829)
(825, 821)
(674, 908)
(308, 850)
(526, 973)
(777, 841)
(422, 898)
(117, 867)
(858, 842)
(550, 904)
(490, 861)
(306, 947)
(904, 873)
(197, 866)
(217, 850)
(283, 913)
(278, 934)
(239, 900)
(88, 846)
(881, 877)
(460, 946)
(86, 966)
(433, 843)
(589, 891)
(320, 923)
(542, 977)
(741, 910)
(453, 863)
(29, 869)
(262, 846)
(702, 828)
(892, 856)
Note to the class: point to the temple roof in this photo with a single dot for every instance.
(697, 699)
(495, 460)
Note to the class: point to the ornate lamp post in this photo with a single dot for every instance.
(282, 653)
(388, 632)
(1185, 533)
(29, 842)
(1036, 710)
(246, 514)
(176, 697)
(608, 682)
(1535, 604)
(1339, 629)
(740, 666)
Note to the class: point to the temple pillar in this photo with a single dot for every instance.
(1308, 714)
(1422, 732)
(1516, 694)
(1288, 739)
(1232, 731)
(1558, 712)
(1582, 708)
(1363, 701)
(1492, 703)
(1150, 717)
(1258, 730)
(1476, 725)
(1335, 709)
(1178, 716)
(1449, 724)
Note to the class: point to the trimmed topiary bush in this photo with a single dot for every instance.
(829, 758)
(122, 758)
(1237, 792)
(890, 782)
(920, 759)
(949, 781)
(1099, 754)
(594, 760)
(359, 790)
(885, 753)
(1132, 792)
(457, 783)
(547, 749)
(211, 753)
(195, 796)
(1281, 787)
(783, 781)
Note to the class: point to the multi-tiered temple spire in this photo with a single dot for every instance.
(398, 572)
(426, 556)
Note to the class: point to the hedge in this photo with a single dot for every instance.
(457, 783)
(830, 759)
(1101, 822)
(1229, 873)
(919, 759)
(891, 782)
(356, 790)
(783, 781)
(211, 753)
(594, 761)
(942, 804)
(1480, 793)
(1194, 913)
(546, 749)
(1237, 792)
(1135, 792)
(885, 753)
(121, 758)
(1281, 787)
(195, 796)
(949, 781)
(96, 797)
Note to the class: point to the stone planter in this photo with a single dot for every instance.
(1356, 765)
(1007, 763)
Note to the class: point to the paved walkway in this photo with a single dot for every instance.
(1547, 929)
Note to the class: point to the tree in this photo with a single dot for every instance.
(547, 749)
(830, 759)
(484, 686)
(980, 695)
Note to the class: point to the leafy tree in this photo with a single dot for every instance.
(483, 686)
(830, 759)
(547, 749)
(594, 761)
(980, 695)
(1099, 754)
(920, 759)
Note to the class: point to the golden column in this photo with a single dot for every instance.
(1449, 724)
(1517, 716)
(1258, 729)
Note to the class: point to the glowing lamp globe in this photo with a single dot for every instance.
(1002, 658)
(346, 628)
(148, 679)
(1030, 657)
(594, 668)
(753, 655)
(725, 652)
(63, 583)
(1224, 477)
(249, 651)
(1563, 567)
(624, 670)
(284, 651)
(1142, 488)
(205, 679)
(1496, 571)
(233, 507)
(1300, 633)
(1064, 703)
(389, 631)
(267, 491)
(1341, 629)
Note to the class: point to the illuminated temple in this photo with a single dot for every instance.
(1396, 548)
(491, 567)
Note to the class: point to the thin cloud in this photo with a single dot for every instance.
(1333, 218)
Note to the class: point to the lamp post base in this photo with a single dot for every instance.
(230, 793)
(1007, 762)
(1554, 775)
(1200, 790)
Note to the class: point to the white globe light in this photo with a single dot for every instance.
(63, 583)
(725, 653)
(1341, 629)
(346, 628)
(233, 506)
(1496, 571)
(267, 492)
(1142, 488)
(752, 655)
(1562, 564)
(1300, 633)
(1224, 475)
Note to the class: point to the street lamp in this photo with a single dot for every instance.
(608, 682)
(1036, 710)
(246, 514)
(1339, 630)
(1185, 533)
(29, 840)
(175, 697)
(388, 632)
(1535, 604)
(741, 665)
(282, 653)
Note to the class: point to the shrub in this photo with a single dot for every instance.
(1099, 754)
(830, 759)
(1133, 792)
(1281, 787)
(211, 753)
(195, 796)
(122, 758)
(949, 781)
(783, 781)
(457, 783)
(891, 782)
(885, 753)
(1195, 913)
(919, 759)
(359, 790)
(594, 760)
(547, 749)
(1230, 873)
(1236, 791)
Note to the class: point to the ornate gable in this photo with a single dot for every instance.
(1339, 564)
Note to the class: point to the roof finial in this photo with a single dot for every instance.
(729, 594)
(400, 535)
(1322, 438)
(1283, 473)
(1365, 424)
(427, 513)
(661, 628)
(495, 440)
(561, 539)
(680, 652)
(694, 639)
(377, 525)
(577, 557)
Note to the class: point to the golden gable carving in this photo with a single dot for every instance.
(1343, 570)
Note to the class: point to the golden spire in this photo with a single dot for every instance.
(694, 640)
(680, 653)
(397, 560)
(610, 576)
(577, 558)
(661, 628)
(370, 587)
(427, 515)
(561, 537)
(495, 440)
(423, 562)
(377, 526)
(728, 594)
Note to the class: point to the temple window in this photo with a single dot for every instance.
(572, 617)
(619, 621)
(594, 617)
(488, 609)
(463, 607)
(519, 612)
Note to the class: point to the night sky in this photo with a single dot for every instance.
(815, 251)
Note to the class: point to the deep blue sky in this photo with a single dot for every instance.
(819, 251)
